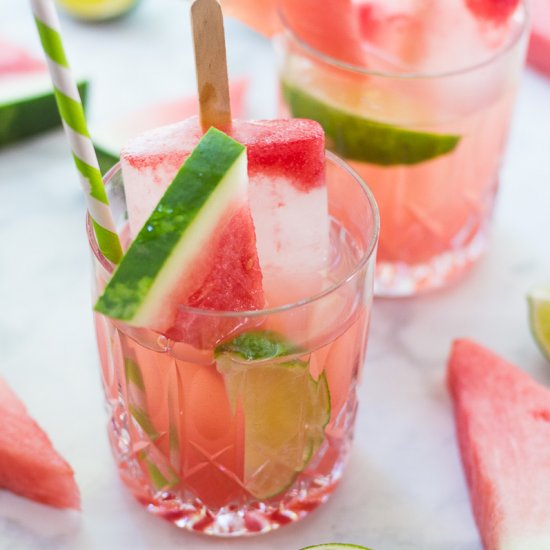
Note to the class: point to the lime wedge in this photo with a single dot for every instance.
(539, 317)
(356, 138)
(285, 410)
(334, 546)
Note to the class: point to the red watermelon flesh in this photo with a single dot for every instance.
(503, 426)
(29, 465)
(260, 15)
(539, 45)
(226, 276)
(497, 11)
(289, 149)
(330, 27)
(110, 138)
(14, 60)
(286, 168)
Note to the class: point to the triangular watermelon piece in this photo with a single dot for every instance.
(29, 465)
(27, 102)
(503, 426)
(197, 250)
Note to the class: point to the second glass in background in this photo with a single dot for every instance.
(424, 120)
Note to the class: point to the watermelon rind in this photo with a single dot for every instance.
(179, 227)
(28, 107)
(354, 137)
(539, 317)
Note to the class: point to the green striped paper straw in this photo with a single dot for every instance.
(74, 121)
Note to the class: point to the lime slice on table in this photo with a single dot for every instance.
(354, 137)
(161, 472)
(335, 546)
(96, 10)
(285, 409)
(539, 317)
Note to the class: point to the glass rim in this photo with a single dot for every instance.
(357, 268)
(358, 69)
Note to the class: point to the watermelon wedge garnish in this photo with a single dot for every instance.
(29, 465)
(503, 425)
(197, 249)
(27, 103)
(110, 138)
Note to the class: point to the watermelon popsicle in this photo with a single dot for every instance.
(287, 193)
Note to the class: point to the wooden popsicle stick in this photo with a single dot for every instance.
(211, 64)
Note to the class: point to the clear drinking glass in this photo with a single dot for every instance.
(228, 445)
(424, 121)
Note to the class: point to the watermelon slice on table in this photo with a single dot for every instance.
(29, 465)
(538, 54)
(503, 426)
(110, 138)
(333, 29)
(197, 249)
(27, 102)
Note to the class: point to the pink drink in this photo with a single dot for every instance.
(219, 444)
(424, 120)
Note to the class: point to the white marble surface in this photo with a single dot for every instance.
(404, 487)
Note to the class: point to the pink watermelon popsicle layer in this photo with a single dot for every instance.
(287, 192)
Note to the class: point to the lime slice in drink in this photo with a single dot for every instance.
(539, 317)
(285, 410)
(354, 137)
(335, 546)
